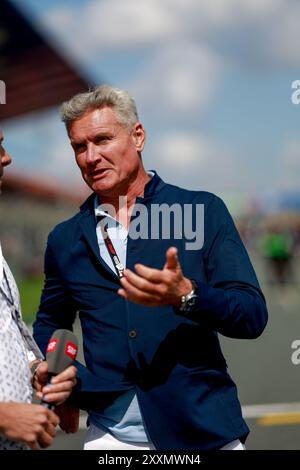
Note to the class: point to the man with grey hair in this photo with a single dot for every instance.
(150, 306)
(23, 425)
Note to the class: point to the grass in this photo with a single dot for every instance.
(30, 293)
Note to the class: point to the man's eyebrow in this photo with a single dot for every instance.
(76, 145)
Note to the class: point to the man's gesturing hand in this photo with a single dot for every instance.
(154, 287)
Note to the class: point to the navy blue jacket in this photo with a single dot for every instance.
(175, 364)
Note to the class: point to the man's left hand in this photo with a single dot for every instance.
(154, 287)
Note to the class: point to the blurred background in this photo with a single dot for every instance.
(213, 85)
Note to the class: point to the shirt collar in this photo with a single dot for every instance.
(99, 209)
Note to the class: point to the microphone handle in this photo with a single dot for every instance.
(43, 402)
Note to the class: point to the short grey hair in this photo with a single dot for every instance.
(100, 97)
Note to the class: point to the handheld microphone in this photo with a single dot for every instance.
(61, 352)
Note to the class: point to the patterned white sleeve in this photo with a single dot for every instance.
(1, 264)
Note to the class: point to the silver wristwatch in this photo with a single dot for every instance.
(189, 300)
(34, 368)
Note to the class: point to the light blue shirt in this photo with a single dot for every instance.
(123, 417)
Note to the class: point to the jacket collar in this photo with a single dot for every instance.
(152, 187)
(88, 219)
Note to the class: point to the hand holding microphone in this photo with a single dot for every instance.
(56, 377)
(35, 424)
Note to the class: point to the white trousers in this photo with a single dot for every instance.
(96, 439)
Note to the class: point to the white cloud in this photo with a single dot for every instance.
(184, 46)
(196, 161)
(179, 78)
(176, 53)
(131, 23)
(283, 37)
(102, 27)
(112, 24)
(182, 150)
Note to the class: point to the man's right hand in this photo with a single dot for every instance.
(60, 387)
(32, 424)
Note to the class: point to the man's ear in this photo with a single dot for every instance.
(139, 136)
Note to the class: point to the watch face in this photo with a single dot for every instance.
(190, 303)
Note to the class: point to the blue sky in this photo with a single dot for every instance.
(212, 81)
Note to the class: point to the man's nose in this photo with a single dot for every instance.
(92, 153)
(6, 159)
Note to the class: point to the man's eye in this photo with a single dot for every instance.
(79, 148)
(102, 140)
